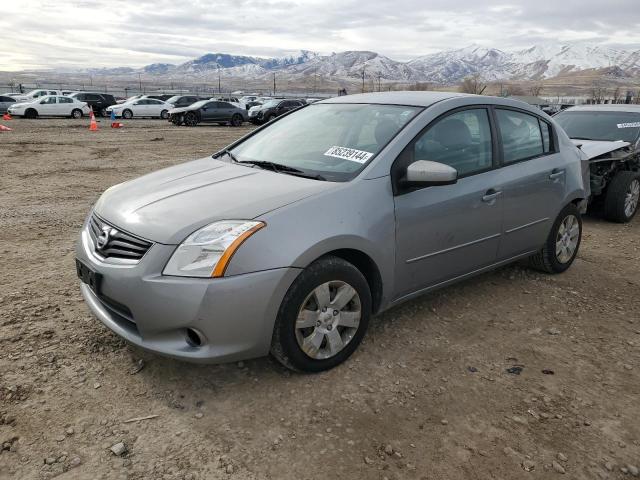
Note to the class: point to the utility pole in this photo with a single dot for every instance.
(274, 84)
(363, 79)
(219, 84)
(140, 82)
(379, 82)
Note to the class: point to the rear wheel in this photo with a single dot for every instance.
(622, 197)
(236, 120)
(103, 112)
(323, 317)
(164, 114)
(190, 119)
(127, 114)
(562, 244)
(76, 113)
(31, 113)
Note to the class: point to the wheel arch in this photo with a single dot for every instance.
(367, 266)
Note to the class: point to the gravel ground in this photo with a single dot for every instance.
(427, 395)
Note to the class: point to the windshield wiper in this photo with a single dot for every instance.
(280, 168)
(581, 138)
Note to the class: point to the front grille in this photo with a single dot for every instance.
(110, 242)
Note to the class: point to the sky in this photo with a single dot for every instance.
(108, 33)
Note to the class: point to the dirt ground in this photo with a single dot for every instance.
(427, 395)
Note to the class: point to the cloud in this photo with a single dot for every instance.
(44, 33)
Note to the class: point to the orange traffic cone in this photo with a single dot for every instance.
(94, 125)
(5, 129)
(6, 116)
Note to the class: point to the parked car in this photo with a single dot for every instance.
(5, 103)
(50, 106)
(179, 101)
(164, 96)
(289, 239)
(33, 94)
(99, 102)
(141, 107)
(272, 109)
(610, 137)
(208, 111)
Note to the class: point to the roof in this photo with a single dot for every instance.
(530, 99)
(416, 99)
(605, 108)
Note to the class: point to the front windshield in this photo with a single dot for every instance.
(174, 99)
(334, 141)
(271, 103)
(592, 125)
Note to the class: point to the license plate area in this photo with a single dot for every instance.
(88, 276)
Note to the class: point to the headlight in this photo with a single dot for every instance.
(206, 252)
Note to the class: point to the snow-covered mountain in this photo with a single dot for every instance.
(351, 65)
(447, 67)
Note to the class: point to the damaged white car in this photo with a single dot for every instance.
(609, 136)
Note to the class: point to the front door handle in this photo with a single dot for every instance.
(556, 173)
(491, 195)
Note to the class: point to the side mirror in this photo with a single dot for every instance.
(424, 173)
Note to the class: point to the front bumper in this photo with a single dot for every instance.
(233, 315)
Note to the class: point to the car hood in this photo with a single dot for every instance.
(181, 109)
(168, 205)
(595, 148)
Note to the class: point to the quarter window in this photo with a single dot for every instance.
(521, 136)
(545, 128)
(461, 140)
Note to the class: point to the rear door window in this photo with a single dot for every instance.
(521, 136)
(65, 100)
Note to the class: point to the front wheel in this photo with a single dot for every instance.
(164, 114)
(323, 317)
(127, 114)
(563, 242)
(76, 113)
(622, 197)
(190, 119)
(31, 113)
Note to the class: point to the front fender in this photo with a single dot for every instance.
(358, 215)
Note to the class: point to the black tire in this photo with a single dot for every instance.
(269, 118)
(191, 119)
(547, 260)
(284, 343)
(127, 114)
(76, 113)
(31, 113)
(236, 120)
(164, 114)
(615, 206)
(103, 112)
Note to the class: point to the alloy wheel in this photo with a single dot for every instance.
(328, 319)
(567, 239)
(631, 198)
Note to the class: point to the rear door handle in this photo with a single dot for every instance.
(556, 174)
(491, 195)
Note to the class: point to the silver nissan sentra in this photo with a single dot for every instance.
(291, 238)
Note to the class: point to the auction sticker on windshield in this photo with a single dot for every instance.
(352, 154)
(629, 125)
